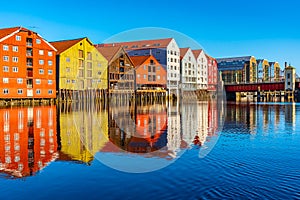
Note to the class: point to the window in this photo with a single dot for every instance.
(20, 91)
(99, 73)
(158, 67)
(15, 48)
(5, 91)
(15, 69)
(5, 80)
(38, 41)
(5, 69)
(89, 55)
(19, 80)
(50, 71)
(50, 92)
(38, 81)
(80, 54)
(18, 38)
(149, 68)
(38, 91)
(15, 59)
(50, 53)
(41, 71)
(158, 77)
(68, 80)
(50, 63)
(49, 82)
(68, 69)
(5, 48)
(145, 76)
(145, 67)
(288, 75)
(41, 62)
(289, 83)
(5, 58)
(67, 59)
(41, 52)
(138, 76)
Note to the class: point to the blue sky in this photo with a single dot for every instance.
(264, 29)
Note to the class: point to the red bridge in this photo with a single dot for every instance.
(253, 87)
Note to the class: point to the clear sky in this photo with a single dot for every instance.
(264, 29)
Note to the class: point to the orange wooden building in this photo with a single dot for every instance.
(149, 73)
(27, 65)
(28, 140)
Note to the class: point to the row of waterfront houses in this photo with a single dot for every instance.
(32, 67)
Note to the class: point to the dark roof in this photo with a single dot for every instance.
(63, 45)
(231, 64)
(141, 44)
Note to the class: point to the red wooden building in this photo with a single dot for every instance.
(27, 65)
(212, 74)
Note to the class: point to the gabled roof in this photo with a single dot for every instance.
(108, 52)
(142, 44)
(7, 31)
(208, 56)
(197, 52)
(183, 51)
(63, 45)
(139, 60)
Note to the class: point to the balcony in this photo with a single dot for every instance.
(29, 52)
(29, 73)
(29, 42)
(29, 62)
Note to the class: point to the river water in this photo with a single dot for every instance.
(191, 150)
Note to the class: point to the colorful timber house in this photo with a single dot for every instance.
(120, 71)
(212, 74)
(166, 52)
(27, 65)
(151, 77)
(201, 60)
(81, 68)
(188, 66)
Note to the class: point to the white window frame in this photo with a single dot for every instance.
(6, 58)
(50, 53)
(15, 69)
(20, 91)
(50, 82)
(41, 62)
(15, 59)
(5, 80)
(41, 71)
(5, 91)
(5, 69)
(15, 48)
(41, 52)
(50, 91)
(38, 91)
(38, 41)
(18, 38)
(5, 48)
(38, 81)
(50, 63)
(20, 81)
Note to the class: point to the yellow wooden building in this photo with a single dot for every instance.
(80, 67)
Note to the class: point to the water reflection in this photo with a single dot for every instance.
(260, 118)
(28, 139)
(32, 137)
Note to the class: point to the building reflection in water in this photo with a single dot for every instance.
(83, 131)
(251, 118)
(32, 137)
(27, 139)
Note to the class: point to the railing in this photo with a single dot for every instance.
(29, 44)
(29, 64)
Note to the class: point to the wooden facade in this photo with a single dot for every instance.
(120, 73)
(27, 65)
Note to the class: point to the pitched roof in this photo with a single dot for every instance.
(139, 60)
(183, 51)
(197, 52)
(208, 56)
(7, 31)
(108, 51)
(63, 45)
(142, 44)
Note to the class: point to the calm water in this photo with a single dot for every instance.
(161, 151)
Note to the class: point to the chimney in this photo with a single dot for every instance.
(285, 64)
